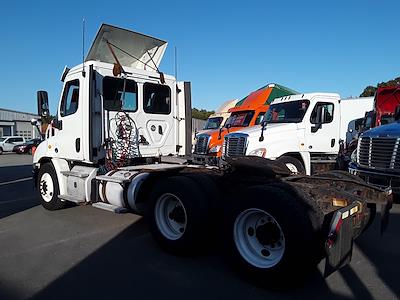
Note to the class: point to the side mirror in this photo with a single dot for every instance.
(43, 103)
(397, 113)
(56, 123)
(318, 119)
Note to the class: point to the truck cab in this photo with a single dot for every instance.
(302, 131)
(116, 109)
(246, 113)
(118, 91)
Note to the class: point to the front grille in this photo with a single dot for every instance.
(378, 153)
(202, 144)
(234, 145)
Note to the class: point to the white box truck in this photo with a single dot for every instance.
(302, 131)
(118, 116)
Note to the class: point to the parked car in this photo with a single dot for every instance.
(7, 143)
(27, 147)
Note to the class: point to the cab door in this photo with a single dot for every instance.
(323, 135)
(68, 135)
(158, 119)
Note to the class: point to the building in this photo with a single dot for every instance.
(17, 123)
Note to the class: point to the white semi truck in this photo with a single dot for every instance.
(119, 116)
(302, 131)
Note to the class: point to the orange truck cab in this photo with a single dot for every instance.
(248, 112)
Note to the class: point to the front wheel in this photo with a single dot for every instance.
(1, 151)
(293, 164)
(48, 188)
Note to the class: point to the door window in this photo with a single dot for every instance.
(156, 99)
(70, 100)
(322, 113)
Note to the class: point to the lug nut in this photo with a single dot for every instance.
(250, 231)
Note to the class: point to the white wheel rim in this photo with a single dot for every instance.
(292, 168)
(170, 216)
(46, 187)
(259, 238)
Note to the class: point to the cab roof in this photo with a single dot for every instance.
(263, 96)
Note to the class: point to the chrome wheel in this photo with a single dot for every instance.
(46, 187)
(292, 168)
(170, 216)
(259, 238)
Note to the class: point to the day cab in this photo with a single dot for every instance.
(247, 112)
(302, 131)
(218, 119)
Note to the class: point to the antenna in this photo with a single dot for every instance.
(176, 64)
(178, 90)
(83, 48)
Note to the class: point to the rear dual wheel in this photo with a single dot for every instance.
(178, 215)
(271, 236)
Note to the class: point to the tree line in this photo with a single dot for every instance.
(370, 90)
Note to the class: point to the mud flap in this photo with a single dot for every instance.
(339, 244)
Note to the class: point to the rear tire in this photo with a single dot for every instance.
(48, 188)
(293, 164)
(272, 238)
(178, 215)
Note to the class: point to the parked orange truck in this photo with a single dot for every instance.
(247, 112)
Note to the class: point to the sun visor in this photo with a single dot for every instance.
(132, 49)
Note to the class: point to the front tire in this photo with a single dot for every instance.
(1, 151)
(272, 237)
(48, 188)
(178, 215)
(293, 164)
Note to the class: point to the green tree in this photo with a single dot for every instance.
(370, 90)
(201, 114)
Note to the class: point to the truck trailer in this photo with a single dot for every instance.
(120, 118)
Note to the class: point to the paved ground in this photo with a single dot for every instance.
(83, 252)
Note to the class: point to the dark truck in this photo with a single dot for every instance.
(378, 157)
(386, 104)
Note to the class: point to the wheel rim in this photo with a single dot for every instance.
(259, 238)
(292, 168)
(46, 187)
(170, 216)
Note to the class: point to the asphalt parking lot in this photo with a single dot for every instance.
(84, 252)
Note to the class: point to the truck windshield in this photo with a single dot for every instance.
(213, 123)
(287, 112)
(240, 119)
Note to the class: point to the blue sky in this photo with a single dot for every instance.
(226, 48)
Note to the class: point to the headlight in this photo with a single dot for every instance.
(215, 149)
(259, 152)
(353, 156)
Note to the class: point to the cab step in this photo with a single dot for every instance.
(110, 207)
(71, 199)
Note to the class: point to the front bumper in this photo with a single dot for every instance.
(380, 179)
(201, 159)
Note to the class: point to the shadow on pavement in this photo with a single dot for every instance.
(17, 197)
(132, 265)
(15, 172)
(384, 255)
